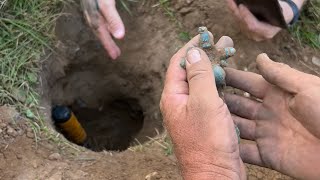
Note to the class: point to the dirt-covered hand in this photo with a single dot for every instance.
(104, 19)
(250, 25)
(283, 124)
(197, 119)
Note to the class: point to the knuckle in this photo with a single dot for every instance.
(196, 74)
(114, 23)
(251, 26)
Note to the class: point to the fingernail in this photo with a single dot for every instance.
(118, 33)
(193, 56)
(264, 56)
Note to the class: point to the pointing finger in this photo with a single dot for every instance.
(109, 11)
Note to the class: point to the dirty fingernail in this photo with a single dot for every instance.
(193, 56)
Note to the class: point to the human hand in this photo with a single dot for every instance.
(197, 119)
(104, 19)
(284, 125)
(252, 27)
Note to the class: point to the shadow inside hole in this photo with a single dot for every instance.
(112, 126)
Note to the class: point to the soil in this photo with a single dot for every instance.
(117, 101)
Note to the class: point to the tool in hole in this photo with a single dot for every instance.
(65, 119)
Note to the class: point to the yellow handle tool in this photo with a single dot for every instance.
(69, 124)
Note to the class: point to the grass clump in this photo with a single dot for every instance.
(27, 29)
(307, 29)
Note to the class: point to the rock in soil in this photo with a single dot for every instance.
(11, 131)
(30, 135)
(152, 176)
(316, 61)
(55, 157)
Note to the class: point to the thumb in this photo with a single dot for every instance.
(200, 76)
(283, 75)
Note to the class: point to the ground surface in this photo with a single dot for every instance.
(82, 76)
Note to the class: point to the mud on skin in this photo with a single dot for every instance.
(218, 57)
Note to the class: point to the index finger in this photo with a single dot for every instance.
(109, 11)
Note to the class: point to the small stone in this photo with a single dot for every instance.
(11, 131)
(185, 10)
(19, 156)
(305, 58)
(152, 176)
(246, 94)
(316, 61)
(1, 131)
(55, 157)
(30, 135)
(48, 146)
(2, 125)
(34, 164)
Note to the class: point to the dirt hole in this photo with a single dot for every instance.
(116, 102)
(111, 109)
(112, 126)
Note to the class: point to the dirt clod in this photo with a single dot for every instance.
(2, 125)
(30, 134)
(11, 131)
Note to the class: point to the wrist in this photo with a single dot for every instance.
(219, 166)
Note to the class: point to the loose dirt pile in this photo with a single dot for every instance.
(117, 101)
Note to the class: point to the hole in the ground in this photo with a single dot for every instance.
(112, 126)
(116, 102)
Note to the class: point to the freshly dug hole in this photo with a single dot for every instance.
(112, 126)
(117, 102)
